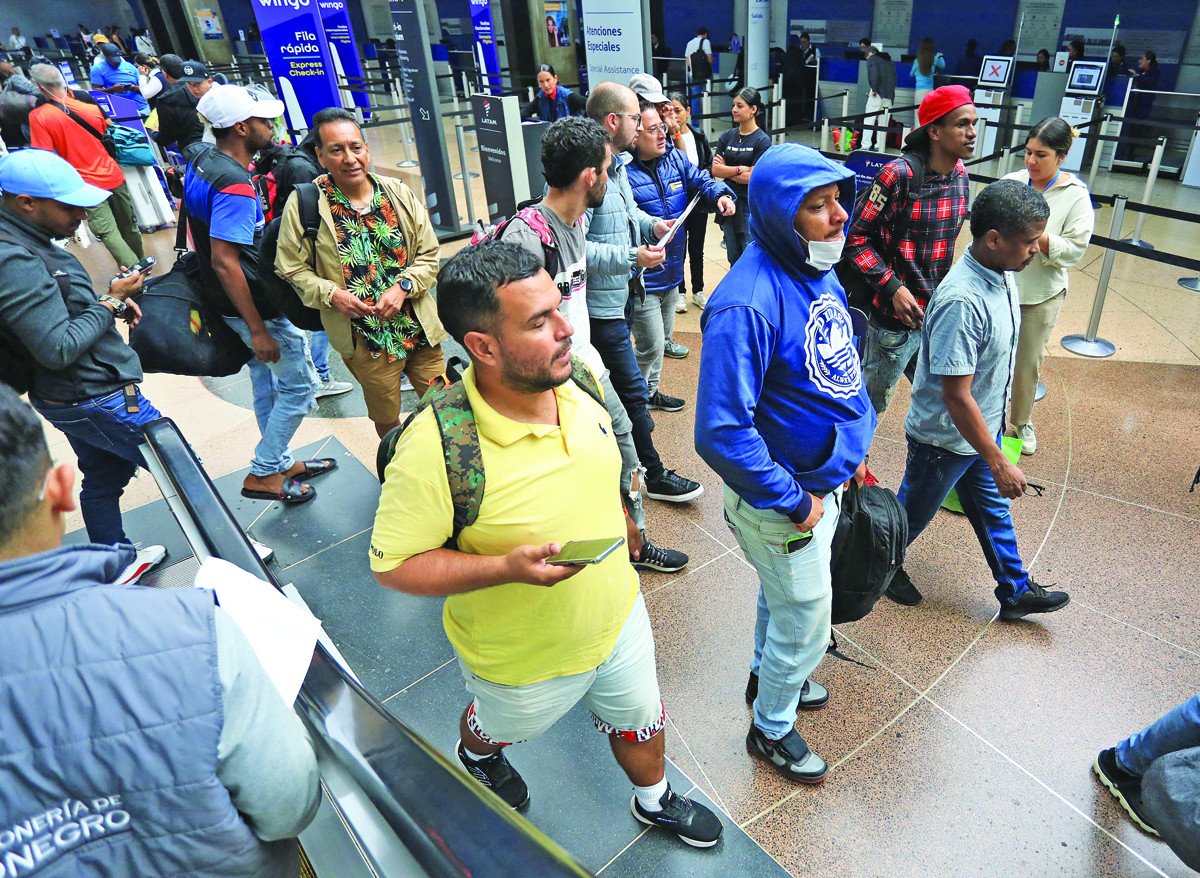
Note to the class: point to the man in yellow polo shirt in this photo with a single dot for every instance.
(532, 639)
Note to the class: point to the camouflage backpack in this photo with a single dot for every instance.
(460, 440)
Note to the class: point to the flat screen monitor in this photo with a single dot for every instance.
(995, 71)
(1086, 77)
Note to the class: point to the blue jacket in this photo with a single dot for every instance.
(782, 408)
(111, 721)
(615, 230)
(662, 188)
(552, 110)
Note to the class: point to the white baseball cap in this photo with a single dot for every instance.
(226, 105)
(648, 88)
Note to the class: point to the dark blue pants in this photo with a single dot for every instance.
(611, 339)
(929, 474)
(106, 440)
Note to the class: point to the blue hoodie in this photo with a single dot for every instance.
(782, 409)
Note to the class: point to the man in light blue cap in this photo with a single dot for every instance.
(59, 339)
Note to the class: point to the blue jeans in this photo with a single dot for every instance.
(106, 439)
(929, 474)
(319, 348)
(611, 339)
(1177, 730)
(890, 354)
(795, 599)
(283, 394)
(736, 230)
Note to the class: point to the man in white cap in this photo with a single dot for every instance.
(59, 341)
(225, 220)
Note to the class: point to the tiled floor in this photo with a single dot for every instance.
(960, 745)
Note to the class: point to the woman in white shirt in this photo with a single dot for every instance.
(695, 146)
(150, 80)
(1043, 283)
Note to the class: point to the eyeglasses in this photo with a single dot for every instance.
(654, 129)
(1033, 489)
(635, 116)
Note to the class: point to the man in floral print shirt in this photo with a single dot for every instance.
(376, 258)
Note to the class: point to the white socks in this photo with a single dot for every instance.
(648, 796)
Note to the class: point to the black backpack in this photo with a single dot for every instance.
(701, 67)
(868, 549)
(278, 291)
(859, 293)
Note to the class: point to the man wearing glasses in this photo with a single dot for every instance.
(962, 383)
(663, 182)
(618, 238)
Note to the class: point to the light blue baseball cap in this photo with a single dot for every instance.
(43, 174)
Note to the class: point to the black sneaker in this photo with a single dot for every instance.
(664, 403)
(902, 590)
(692, 822)
(1126, 787)
(1035, 600)
(789, 756)
(813, 696)
(673, 488)
(660, 558)
(498, 775)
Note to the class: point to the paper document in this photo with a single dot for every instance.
(282, 634)
(679, 223)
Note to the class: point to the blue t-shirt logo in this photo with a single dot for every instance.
(829, 349)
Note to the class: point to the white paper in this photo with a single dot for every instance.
(678, 224)
(282, 634)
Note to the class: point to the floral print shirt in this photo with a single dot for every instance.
(373, 253)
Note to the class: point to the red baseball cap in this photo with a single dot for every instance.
(937, 104)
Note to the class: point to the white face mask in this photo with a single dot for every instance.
(823, 255)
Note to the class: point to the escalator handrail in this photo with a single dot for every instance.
(450, 824)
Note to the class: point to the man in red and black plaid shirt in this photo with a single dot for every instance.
(903, 274)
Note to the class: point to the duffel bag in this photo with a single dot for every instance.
(180, 332)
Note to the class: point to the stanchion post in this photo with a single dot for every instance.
(706, 107)
(1147, 194)
(1016, 134)
(1088, 345)
(466, 173)
(1097, 152)
(845, 101)
(783, 115)
(825, 135)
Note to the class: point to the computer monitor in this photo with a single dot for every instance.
(995, 71)
(1086, 77)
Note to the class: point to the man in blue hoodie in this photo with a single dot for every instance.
(783, 417)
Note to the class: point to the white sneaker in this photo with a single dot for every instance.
(332, 388)
(1028, 439)
(681, 304)
(147, 558)
(405, 384)
(265, 553)
(699, 299)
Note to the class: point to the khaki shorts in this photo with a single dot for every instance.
(380, 379)
(622, 694)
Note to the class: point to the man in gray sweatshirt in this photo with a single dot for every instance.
(881, 80)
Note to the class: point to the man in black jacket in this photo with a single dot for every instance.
(178, 120)
(62, 338)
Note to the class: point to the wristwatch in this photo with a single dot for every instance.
(119, 307)
(406, 285)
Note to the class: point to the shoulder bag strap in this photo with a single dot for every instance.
(78, 120)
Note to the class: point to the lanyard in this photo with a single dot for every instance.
(1051, 183)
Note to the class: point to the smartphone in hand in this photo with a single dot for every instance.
(579, 552)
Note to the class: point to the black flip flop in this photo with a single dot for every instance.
(291, 494)
(316, 467)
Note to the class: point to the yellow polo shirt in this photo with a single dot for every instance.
(543, 484)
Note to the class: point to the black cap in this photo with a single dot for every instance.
(194, 71)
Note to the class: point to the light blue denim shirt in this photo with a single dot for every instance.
(970, 328)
